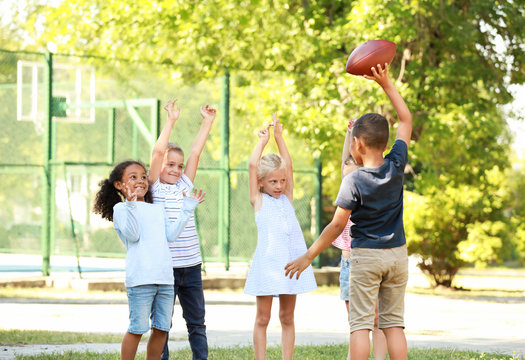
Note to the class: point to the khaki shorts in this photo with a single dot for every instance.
(378, 273)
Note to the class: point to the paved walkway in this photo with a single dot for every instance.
(320, 319)
(488, 325)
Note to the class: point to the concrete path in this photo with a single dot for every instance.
(431, 321)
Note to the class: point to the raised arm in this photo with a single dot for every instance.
(346, 147)
(404, 130)
(285, 154)
(255, 194)
(208, 115)
(125, 221)
(162, 142)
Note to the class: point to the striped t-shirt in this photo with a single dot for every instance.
(185, 251)
(344, 240)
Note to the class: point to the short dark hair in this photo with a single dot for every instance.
(372, 128)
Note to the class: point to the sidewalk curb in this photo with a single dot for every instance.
(210, 281)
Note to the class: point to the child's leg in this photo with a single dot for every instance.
(397, 343)
(344, 276)
(365, 279)
(129, 346)
(140, 301)
(264, 312)
(191, 298)
(347, 303)
(392, 301)
(161, 314)
(286, 316)
(360, 344)
(378, 338)
(155, 344)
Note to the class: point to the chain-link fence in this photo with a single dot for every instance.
(67, 120)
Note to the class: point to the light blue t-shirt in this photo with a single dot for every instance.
(375, 196)
(145, 231)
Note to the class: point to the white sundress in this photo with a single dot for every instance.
(280, 240)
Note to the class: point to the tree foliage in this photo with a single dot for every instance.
(455, 61)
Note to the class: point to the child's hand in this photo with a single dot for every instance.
(197, 196)
(208, 113)
(297, 266)
(380, 75)
(128, 193)
(351, 124)
(173, 114)
(277, 126)
(264, 134)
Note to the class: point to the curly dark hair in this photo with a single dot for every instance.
(108, 195)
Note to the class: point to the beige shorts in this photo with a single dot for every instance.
(378, 273)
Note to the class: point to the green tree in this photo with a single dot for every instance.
(289, 56)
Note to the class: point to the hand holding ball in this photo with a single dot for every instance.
(368, 55)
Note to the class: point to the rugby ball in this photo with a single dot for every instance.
(368, 55)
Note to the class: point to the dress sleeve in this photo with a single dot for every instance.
(125, 221)
(174, 227)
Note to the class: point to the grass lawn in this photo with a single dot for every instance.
(14, 337)
(23, 337)
(327, 352)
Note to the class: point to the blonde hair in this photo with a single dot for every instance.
(174, 147)
(267, 163)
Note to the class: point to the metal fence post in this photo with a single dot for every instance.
(110, 158)
(224, 183)
(318, 194)
(45, 230)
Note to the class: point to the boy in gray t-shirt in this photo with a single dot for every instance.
(373, 197)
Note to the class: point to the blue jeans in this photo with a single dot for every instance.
(188, 287)
(344, 279)
(145, 301)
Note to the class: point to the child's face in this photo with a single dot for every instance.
(172, 167)
(134, 182)
(274, 183)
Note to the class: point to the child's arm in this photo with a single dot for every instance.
(161, 145)
(255, 194)
(329, 234)
(125, 221)
(404, 130)
(285, 154)
(208, 115)
(174, 228)
(346, 167)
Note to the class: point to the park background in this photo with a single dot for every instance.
(459, 66)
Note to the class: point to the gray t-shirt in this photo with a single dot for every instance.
(375, 196)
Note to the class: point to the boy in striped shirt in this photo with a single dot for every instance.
(170, 180)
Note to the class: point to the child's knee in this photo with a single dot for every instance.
(262, 320)
(286, 318)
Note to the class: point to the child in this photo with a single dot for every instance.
(373, 196)
(169, 179)
(280, 239)
(343, 242)
(145, 231)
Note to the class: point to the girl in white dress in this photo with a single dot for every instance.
(280, 239)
